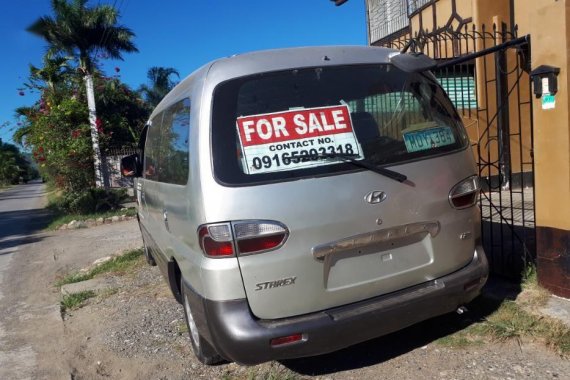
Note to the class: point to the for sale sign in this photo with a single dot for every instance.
(295, 139)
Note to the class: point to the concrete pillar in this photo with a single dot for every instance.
(549, 27)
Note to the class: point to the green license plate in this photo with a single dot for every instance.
(425, 139)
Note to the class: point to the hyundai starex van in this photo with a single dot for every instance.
(300, 201)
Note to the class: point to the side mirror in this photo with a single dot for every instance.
(130, 166)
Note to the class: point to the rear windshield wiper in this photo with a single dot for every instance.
(352, 158)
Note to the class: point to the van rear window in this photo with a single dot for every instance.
(287, 125)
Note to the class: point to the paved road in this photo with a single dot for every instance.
(22, 217)
(33, 342)
(22, 214)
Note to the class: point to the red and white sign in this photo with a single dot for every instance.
(278, 141)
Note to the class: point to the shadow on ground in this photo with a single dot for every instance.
(383, 349)
(17, 227)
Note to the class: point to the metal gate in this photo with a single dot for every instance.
(486, 75)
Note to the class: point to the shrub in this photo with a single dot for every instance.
(90, 201)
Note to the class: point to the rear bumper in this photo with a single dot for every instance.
(238, 336)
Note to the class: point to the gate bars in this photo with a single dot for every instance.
(486, 75)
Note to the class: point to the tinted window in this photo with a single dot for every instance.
(174, 143)
(262, 125)
(151, 151)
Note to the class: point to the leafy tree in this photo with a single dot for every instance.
(82, 31)
(160, 84)
(58, 134)
(13, 164)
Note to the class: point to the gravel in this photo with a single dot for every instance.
(139, 331)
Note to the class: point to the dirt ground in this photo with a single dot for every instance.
(137, 331)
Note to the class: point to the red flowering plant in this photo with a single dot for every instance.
(56, 128)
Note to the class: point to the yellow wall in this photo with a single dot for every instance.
(549, 28)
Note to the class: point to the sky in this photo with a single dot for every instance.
(183, 34)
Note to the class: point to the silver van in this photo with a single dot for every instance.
(299, 201)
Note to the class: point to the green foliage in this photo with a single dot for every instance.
(76, 300)
(57, 131)
(160, 84)
(13, 165)
(90, 201)
(78, 30)
(57, 128)
(121, 111)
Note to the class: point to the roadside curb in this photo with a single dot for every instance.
(558, 308)
(76, 224)
(96, 285)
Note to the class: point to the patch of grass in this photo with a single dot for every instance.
(53, 194)
(510, 320)
(272, 373)
(115, 265)
(75, 301)
(182, 328)
(61, 219)
(533, 295)
(513, 321)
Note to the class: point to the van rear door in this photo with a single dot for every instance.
(277, 142)
(342, 249)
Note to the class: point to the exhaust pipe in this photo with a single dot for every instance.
(461, 310)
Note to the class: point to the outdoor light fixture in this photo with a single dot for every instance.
(545, 83)
(545, 80)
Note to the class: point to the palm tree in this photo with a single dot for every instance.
(55, 71)
(160, 84)
(83, 31)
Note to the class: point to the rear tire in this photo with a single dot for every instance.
(202, 349)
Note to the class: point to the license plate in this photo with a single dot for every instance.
(425, 139)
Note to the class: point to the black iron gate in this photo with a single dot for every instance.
(486, 74)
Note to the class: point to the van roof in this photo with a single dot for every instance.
(269, 60)
(240, 65)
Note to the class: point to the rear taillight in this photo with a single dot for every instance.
(259, 236)
(465, 193)
(242, 237)
(216, 240)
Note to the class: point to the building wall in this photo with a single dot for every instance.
(386, 17)
(548, 24)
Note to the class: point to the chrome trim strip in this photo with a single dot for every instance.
(320, 252)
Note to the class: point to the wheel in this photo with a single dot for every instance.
(202, 349)
(148, 256)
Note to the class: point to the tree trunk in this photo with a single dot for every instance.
(100, 181)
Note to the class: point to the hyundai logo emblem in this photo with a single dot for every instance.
(375, 197)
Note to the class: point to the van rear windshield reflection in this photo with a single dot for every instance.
(273, 126)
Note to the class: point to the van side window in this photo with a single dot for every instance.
(151, 152)
(174, 143)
